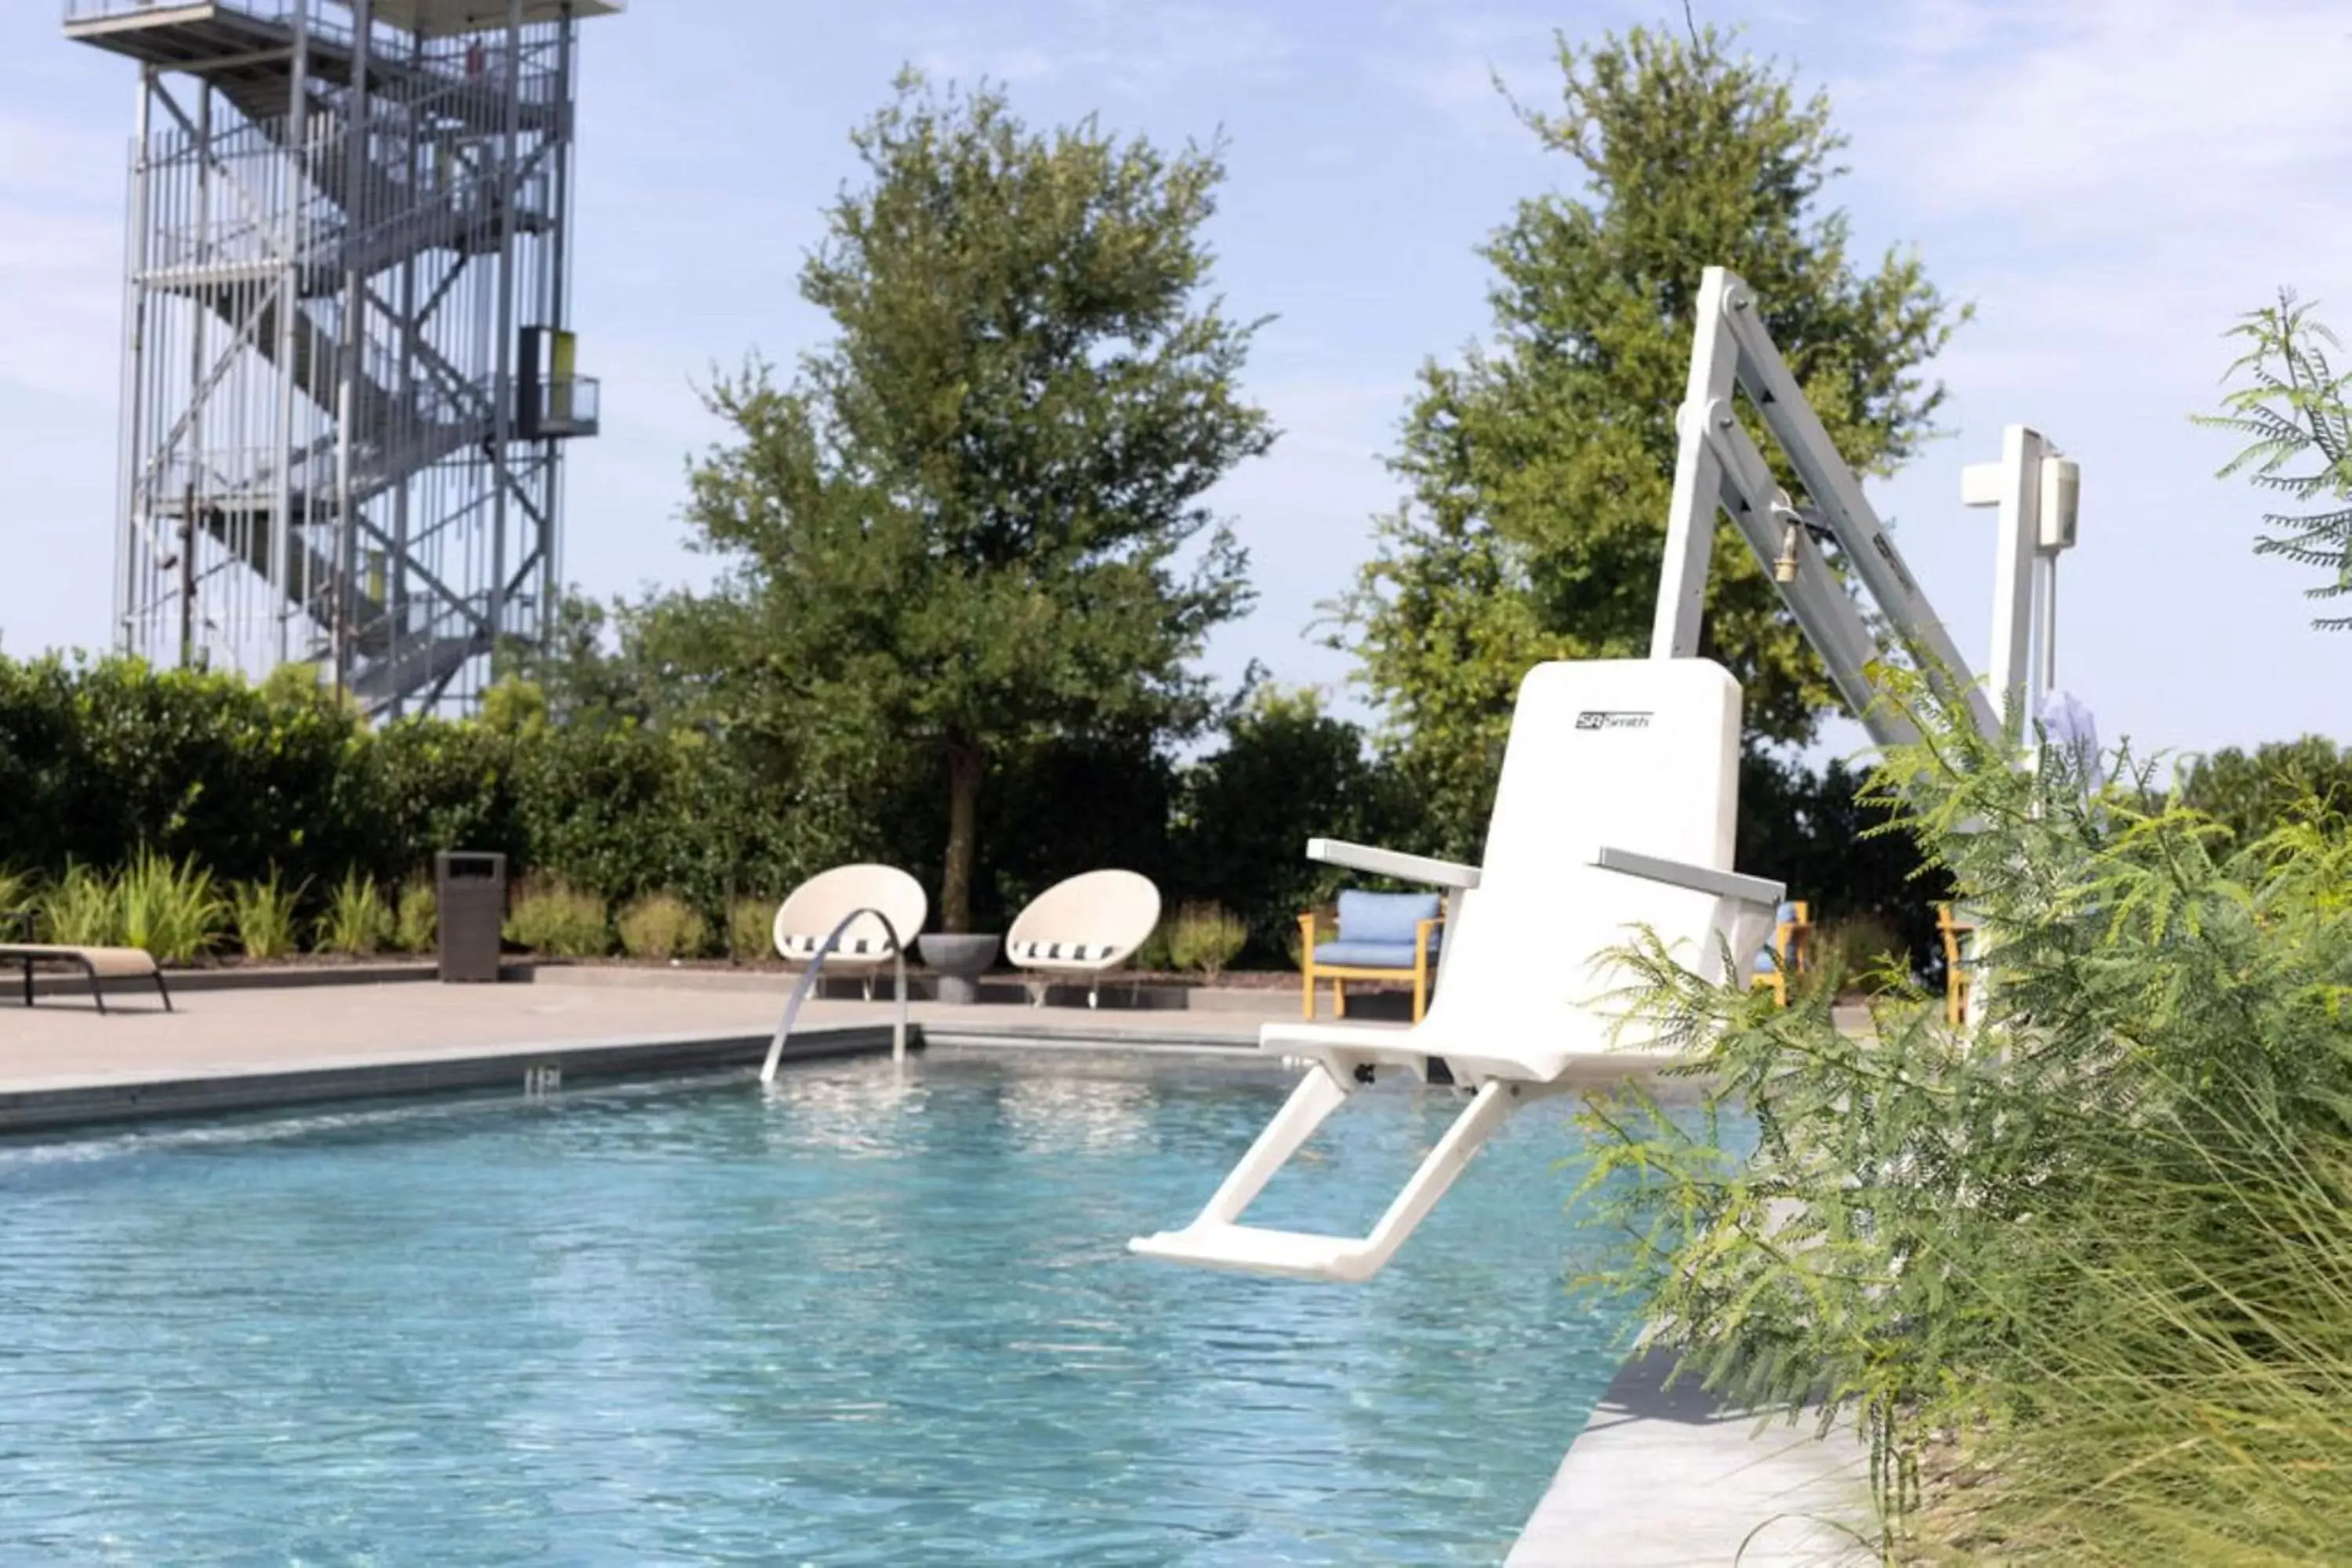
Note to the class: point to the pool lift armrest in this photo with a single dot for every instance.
(1392, 863)
(1697, 878)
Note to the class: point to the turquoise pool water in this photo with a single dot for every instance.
(859, 1319)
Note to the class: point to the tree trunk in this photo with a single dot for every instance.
(963, 834)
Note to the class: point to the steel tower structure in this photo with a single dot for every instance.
(348, 371)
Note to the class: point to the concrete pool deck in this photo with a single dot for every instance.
(1669, 1479)
(223, 1048)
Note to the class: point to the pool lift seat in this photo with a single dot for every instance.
(1614, 814)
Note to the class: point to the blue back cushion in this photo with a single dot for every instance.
(1766, 962)
(1384, 916)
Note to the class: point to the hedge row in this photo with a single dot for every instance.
(101, 760)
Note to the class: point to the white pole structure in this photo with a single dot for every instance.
(2036, 491)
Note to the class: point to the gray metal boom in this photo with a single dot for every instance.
(1715, 463)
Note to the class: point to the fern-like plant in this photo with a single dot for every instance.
(2294, 410)
(1924, 1227)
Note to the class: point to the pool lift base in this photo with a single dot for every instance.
(1591, 771)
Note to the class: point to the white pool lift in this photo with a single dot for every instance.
(1616, 808)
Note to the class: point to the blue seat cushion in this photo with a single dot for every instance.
(1766, 956)
(1387, 918)
(1366, 954)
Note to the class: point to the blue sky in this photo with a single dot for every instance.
(2109, 183)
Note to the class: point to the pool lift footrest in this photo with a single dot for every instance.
(1218, 1240)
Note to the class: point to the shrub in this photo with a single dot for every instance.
(1152, 956)
(81, 909)
(18, 896)
(751, 930)
(264, 913)
(1288, 771)
(660, 925)
(2071, 1227)
(2188, 1402)
(559, 920)
(1860, 953)
(1206, 937)
(356, 920)
(417, 923)
(170, 908)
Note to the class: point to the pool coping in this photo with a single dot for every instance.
(523, 1067)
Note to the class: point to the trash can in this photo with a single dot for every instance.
(470, 892)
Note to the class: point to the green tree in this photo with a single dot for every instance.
(1288, 772)
(959, 528)
(1539, 466)
(2292, 408)
(2255, 795)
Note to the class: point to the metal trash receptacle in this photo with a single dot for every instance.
(470, 893)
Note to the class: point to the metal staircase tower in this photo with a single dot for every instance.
(348, 372)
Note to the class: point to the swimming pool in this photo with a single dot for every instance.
(865, 1317)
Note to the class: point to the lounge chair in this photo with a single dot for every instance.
(96, 964)
(839, 907)
(1088, 925)
(1960, 944)
(1615, 814)
(1790, 953)
(1381, 936)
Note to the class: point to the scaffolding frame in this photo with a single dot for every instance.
(347, 369)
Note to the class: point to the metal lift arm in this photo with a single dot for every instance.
(1716, 464)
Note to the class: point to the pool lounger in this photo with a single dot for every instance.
(96, 963)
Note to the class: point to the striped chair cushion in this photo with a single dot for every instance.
(859, 947)
(1071, 951)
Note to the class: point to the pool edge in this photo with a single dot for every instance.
(101, 1103)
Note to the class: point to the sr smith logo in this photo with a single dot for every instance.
(1601, 718)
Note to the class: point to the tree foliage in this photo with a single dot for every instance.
(1288, 772)
(2292, 408)
(2256, 794)
(1539, 466)
(963, 527)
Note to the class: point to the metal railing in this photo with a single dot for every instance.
(808, 980)
(566, 405)
(326, 20)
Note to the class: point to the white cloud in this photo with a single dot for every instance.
(2098, 116)
(1128, 49)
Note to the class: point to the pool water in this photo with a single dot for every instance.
(872, 1315)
